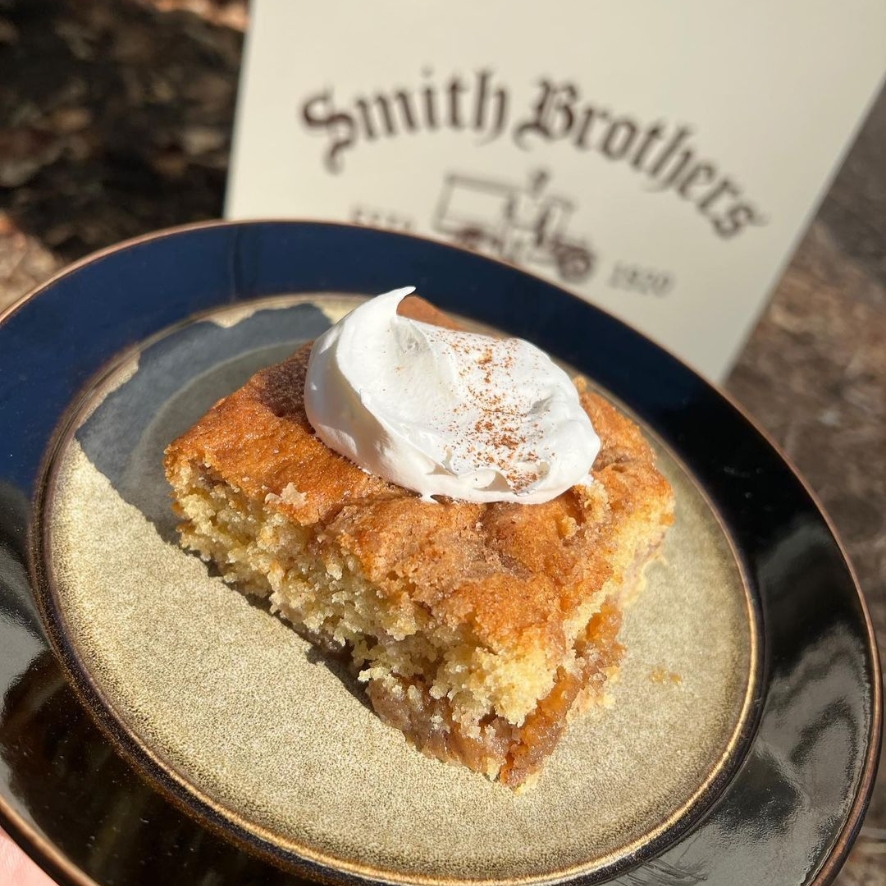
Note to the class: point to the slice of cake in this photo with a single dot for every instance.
(478, 629)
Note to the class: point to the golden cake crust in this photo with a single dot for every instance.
(512, 573)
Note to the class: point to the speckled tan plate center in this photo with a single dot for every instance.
(250, 719)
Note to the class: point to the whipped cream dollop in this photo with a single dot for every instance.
(447, 413)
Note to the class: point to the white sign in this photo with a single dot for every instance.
(659, 159)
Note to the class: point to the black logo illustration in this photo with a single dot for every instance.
(518, 223)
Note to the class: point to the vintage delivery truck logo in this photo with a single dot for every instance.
(523, 223)
(664, 154)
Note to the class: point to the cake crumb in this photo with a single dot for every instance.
(661, 675)
(289, 496)
(567, 526)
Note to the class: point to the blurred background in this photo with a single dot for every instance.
(116, 119)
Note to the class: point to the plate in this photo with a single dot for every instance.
(157, 727)
(276, 742)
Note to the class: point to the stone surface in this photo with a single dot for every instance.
(115, 119)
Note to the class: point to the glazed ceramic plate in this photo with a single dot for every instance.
(158, 727)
